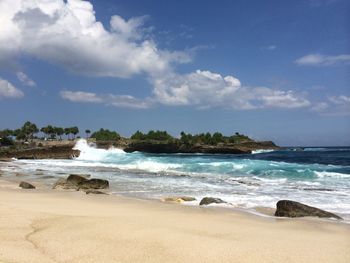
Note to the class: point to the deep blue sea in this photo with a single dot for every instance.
(315, 176)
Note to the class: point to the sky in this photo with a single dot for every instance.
(274, 70)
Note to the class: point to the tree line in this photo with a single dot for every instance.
(29, 131)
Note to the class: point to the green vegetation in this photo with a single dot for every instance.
(152, 135)
(87, 133)
(29, 130)
(105, 135)
(212, 139)
(5, 137)
(189, 139)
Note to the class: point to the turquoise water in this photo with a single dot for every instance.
(315, 176)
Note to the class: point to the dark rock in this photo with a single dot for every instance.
(61, 184)
(287, 208)
(80, 181)
(93, 184)
(75, 179)
(211, 200)
(47, 152)
(96, 192)
(71, 182)
(25, 185)
(86, 176)
(20, 174)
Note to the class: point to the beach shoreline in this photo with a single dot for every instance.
(70, 226)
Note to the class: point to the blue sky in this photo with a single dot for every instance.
(274, 70)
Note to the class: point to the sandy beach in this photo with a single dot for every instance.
(67, 226)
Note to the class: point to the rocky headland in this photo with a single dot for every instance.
(64, 149)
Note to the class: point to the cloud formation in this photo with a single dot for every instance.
(121, 101)
(322, 60)
(25, 80)
(202, 89)
(334, 106)
(66, 33)
(7, 90)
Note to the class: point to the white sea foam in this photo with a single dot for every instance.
(331, 174)
(262, 151)
(150, 166)
(90, 153)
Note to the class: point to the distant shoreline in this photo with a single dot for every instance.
(63, 149)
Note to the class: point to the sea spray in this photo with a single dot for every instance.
(89, 152)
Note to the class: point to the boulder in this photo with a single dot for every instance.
(80, 182)
(25, 185)
(211, 200)
(96, 192)
(287, 208)
(93, 184)
(71, 182)
(61, 184)
(75, 179)
(179, 199)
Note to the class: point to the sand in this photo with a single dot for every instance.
(60, 226)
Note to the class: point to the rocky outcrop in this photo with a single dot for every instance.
(94, 184)
(179, 199)
(211, 200)
(80, 182)
(51, 152)
(25, 185)
(287, 208)
(71, 182)
(175, 146)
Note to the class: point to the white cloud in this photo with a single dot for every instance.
(202, 89)
(322, 60)
(122, 101)
(207, 89)
(7, 90)
(81, 96)
(270, 47)
(25, 79)
(335, 106)
(67, 33)
(340, 100)
(320, 107)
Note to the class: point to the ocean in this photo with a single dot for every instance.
(318, 177)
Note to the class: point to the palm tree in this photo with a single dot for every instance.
(67, 132)
(74, 130)
(59, 131)
(87, 133)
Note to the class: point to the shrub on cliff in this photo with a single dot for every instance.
(5, 139)
(105, 135)
(152, 135)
